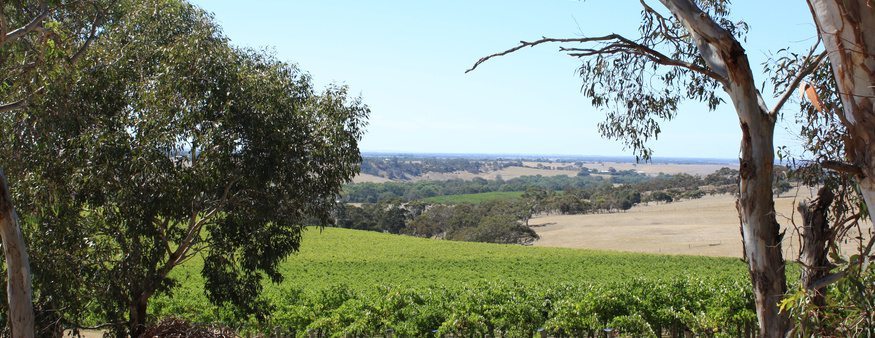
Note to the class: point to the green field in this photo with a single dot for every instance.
(341, 275)
(474, 198)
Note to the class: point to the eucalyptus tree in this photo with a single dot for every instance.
(37, 39)
(836, 130)
(687, 50)
(177, 145)
(847, 28)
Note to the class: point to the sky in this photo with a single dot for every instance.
(407, 60)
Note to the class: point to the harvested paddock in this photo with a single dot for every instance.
(708, 226)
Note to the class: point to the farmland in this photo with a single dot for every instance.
(515, 169)
(705, 226)
(474, 198)
(362, 267)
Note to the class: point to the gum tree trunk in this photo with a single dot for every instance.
(815, 236)
(756, 208)
(759, 228)
(18, 286)
(847, 28)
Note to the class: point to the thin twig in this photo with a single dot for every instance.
(805, 71)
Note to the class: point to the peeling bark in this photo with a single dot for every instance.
(756, 207)
(847, 28)
(759, 228)
(18, 285)
(815, 237)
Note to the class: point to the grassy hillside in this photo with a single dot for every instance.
(474, 198)
(362, 260)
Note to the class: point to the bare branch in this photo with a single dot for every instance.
(524, 44)
(712, 40)
(842, 167)
(619, 45)
(805, 71)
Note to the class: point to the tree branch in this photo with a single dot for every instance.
(75, 57)
(524, 44)
(842, 167)
(194, 230)
(805, 71)
(29, 27)
(826, 281)
(7, 107)
(619, 45)
(710, 38)
(22, 103)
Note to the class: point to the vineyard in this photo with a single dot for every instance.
(358, 283)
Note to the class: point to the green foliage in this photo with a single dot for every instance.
(850, 303)
(173, 144)
(375, 192)
(474, 288)
(44, 53)
(474, 198)
(406, 167)
(493, 222)
(460, 217)
(633, 326)
(496, 228)
(41, 45)
(631, 87)
(582, 194)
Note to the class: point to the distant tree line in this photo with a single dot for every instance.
(492, 222)
(395, 207)
(408, 191)
(405, 168)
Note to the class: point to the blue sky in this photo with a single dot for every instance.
(407, 61)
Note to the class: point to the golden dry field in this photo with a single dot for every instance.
(367, 178)
(707, 226)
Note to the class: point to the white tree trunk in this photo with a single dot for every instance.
(756, 211)
(756, 207)
(18, 285)
(847, 28)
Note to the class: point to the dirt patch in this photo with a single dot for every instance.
(368, 178)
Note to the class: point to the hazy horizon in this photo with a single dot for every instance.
(527, 155)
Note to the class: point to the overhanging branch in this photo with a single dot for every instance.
(842, 167)
(618, 44)
(524, 44)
